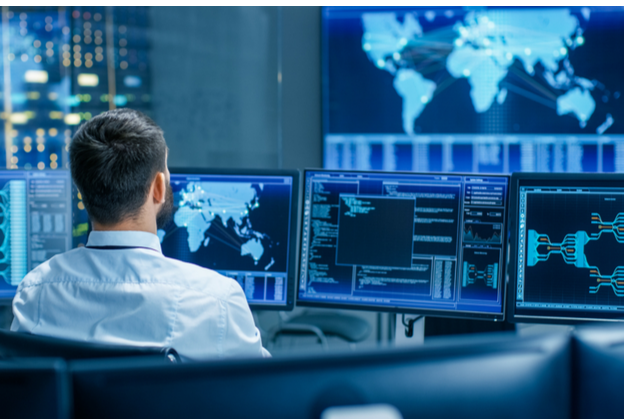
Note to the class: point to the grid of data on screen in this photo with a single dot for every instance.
(404, 240)
(236, 225)
(35, 222)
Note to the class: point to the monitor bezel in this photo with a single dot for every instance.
(291, 275)
(512, 266)
(496, 317)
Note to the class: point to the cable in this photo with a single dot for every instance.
(409, 325)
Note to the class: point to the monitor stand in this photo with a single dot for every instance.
(392, 332)
(409, 330)
(398, 328)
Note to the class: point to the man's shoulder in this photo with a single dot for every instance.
(201, 279)
(46, 268)
(77, 265)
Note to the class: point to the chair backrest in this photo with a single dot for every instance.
(23, 345)
(35, 388)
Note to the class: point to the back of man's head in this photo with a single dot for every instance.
(113, 159)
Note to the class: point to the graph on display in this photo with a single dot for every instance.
(572, 250)
(473, 89)
(482, 233)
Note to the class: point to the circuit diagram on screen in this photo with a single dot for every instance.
(572, 250)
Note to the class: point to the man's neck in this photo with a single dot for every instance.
(127, 225)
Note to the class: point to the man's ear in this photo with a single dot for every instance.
(160, 188)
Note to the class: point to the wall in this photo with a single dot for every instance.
(215, 85)
(301, 89)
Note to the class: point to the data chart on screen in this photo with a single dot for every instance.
(237, 225)
(430, 243)
(35, 222)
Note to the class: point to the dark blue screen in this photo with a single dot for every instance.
(404, 241)
(236, 225)
(35, 222)
(498, 89)
(569, 245)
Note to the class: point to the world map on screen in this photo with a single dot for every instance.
(482, 48)
(201, 203)
(228, 225)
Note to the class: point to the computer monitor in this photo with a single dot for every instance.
(35, 388)
(464, 377)
(567, 241)
(421, 243)
(240, 223)
(35, 222)
(459, 89)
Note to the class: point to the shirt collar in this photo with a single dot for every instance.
(124, 238)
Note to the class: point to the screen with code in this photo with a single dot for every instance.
(426, 243)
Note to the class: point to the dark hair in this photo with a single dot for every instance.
(113, 159)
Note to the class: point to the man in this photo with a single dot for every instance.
(120, 289)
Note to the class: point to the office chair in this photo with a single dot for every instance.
(25, 345)
(350, 328)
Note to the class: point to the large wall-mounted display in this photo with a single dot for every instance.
(465, 89)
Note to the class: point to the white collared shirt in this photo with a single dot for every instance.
(136, 296)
